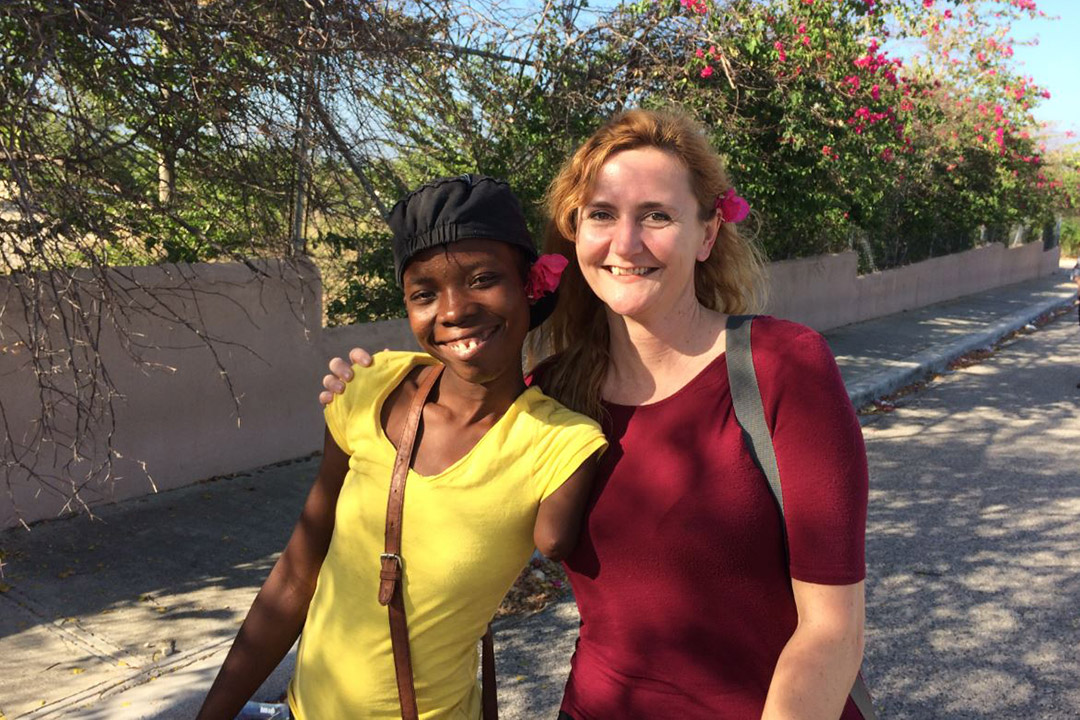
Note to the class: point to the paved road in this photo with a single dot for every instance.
(973, 539)
(973, 548)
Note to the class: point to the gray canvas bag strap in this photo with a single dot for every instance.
(746, 397)
(750, 414)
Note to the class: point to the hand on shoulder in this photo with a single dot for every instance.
(341, 373)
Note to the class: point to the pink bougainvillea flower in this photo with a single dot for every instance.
(928, 3)
(732, 208)
(699, 53)
(706, 71)
(544, 276)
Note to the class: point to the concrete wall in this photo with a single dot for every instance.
(175, 418)
(383, 335)
(825, 292)
(174, 410)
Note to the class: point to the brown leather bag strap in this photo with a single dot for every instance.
(391, 570)
(489, 699)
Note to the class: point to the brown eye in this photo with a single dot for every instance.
(485, 279)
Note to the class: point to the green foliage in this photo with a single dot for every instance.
(370, 291)
(142, 132)
(1070, 236)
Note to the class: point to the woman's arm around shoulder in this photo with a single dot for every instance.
(276, 617)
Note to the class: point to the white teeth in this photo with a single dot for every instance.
(629, 271)
(465, 345)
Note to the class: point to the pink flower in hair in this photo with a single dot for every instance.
(544, 276)
(732, 208)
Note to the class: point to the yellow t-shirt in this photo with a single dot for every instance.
(466, 534)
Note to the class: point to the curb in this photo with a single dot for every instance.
(935, 360)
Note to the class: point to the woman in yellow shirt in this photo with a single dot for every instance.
(497, 469)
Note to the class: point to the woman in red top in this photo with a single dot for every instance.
(692, 605)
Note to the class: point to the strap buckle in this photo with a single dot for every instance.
(392, 556)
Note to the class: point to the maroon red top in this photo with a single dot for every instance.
(680, 572)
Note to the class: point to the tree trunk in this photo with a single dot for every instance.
(166, 176)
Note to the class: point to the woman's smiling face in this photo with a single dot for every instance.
(467, 307)
(640, 235)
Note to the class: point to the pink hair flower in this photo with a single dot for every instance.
(544, 276)
(732, 208)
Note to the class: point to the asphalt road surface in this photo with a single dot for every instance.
(973, 549)
(973, 539)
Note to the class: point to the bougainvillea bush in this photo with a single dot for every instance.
(898, 128)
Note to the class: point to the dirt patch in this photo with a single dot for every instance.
(539, 584)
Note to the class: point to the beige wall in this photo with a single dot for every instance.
(384, 335)
(174, 410)
(825, 292)
(177, 416)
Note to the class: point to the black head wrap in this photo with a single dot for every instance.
(462, 208)
(459, 208)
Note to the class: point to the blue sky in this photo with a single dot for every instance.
(1055, 62)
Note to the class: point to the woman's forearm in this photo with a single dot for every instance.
(271, 627)
(813, 676)
(818, 665)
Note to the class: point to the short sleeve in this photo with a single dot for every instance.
(819, 451)
(338, 412)
(362, 392)
(564, 440)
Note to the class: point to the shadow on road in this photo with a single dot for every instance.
(973, 538)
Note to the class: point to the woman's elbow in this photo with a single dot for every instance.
(554, 547)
